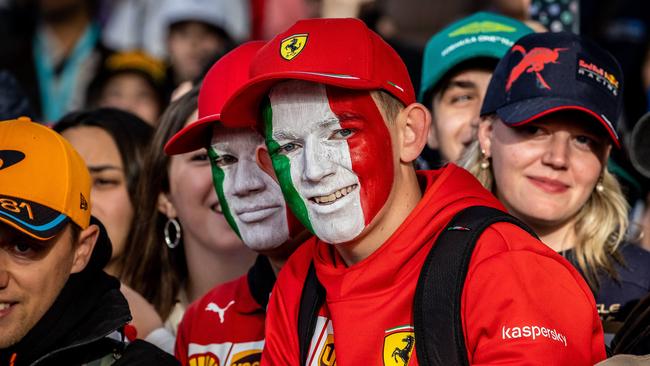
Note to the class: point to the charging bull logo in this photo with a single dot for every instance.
(290, 47)
(534, 61)
(398, 346)
(10, 157)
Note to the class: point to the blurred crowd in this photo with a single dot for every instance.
(119, 78)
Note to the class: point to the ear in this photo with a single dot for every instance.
(84, 248)
(263, 160)
(485, 130)
(166, 206)
(413, 122)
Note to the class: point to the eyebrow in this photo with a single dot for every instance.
(288, 135)
(464, 84)
(101, 168)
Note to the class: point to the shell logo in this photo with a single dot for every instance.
(204, 359)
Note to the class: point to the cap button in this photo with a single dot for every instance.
(24, 119)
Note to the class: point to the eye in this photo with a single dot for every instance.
(530, 130)
(199, 157)
(225, 160)
(342, 134)
(23, 249)
(461, 98)
(288, 148)
(104, 183)
(585, 140)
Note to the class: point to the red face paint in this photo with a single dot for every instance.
(370, 146)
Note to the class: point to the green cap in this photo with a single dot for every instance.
(481, 34)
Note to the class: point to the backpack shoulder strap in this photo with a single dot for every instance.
(436, 305)
(311, 300)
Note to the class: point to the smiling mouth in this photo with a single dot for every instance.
(4, 307)
(333, 197)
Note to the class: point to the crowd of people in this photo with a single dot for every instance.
(219, 182)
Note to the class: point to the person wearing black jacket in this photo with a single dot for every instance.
(57, 306)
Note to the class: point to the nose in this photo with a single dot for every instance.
(248, 178)
(317, 164)
(557, 152)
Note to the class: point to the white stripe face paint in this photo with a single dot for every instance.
(306, 131)
(254, 203)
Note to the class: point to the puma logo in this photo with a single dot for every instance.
(215, 308)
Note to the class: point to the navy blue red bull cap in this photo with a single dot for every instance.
(544, 73)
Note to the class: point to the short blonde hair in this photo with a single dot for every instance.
(600, 226)
(389, 106)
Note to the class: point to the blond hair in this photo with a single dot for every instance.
(600, 225)
(389, 106)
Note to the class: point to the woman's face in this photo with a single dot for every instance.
(196, 204)
(110, 201)
(132, 93)
(546, 170)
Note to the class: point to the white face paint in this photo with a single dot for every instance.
(253, 199)
(310, 136)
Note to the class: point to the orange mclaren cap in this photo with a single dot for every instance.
(44, 182)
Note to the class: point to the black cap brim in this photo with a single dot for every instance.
(528, 110)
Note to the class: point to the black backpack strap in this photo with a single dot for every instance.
(311, 300)
(436, 305)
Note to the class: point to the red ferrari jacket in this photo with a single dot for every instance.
(522, 303)
(226, 326)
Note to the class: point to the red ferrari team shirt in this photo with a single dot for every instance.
(522, 303)
(226, 326)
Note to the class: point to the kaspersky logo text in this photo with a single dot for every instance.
(534, 332)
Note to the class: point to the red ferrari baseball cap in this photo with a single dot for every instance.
(223, 78)
(337, 52)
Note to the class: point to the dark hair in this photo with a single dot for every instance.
(151, 268)
(130, 134)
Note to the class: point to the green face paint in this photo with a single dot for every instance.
(282, 167)
(218, 176)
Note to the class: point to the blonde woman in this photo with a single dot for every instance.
(545, 135)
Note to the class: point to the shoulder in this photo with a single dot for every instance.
(143, 353)
(511, 253)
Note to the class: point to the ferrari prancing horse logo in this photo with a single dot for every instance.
(398, 346)
(290, 47)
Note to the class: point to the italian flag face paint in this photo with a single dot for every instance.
(331, 151)
(250, 199)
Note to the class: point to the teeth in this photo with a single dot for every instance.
(334, 196)
(4, 305)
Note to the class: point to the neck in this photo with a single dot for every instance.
(405, 195)
(70, 31)
(277, 263)
(208, 267)
(113, 268)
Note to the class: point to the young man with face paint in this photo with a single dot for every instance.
(226, 326)
(342, 132)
